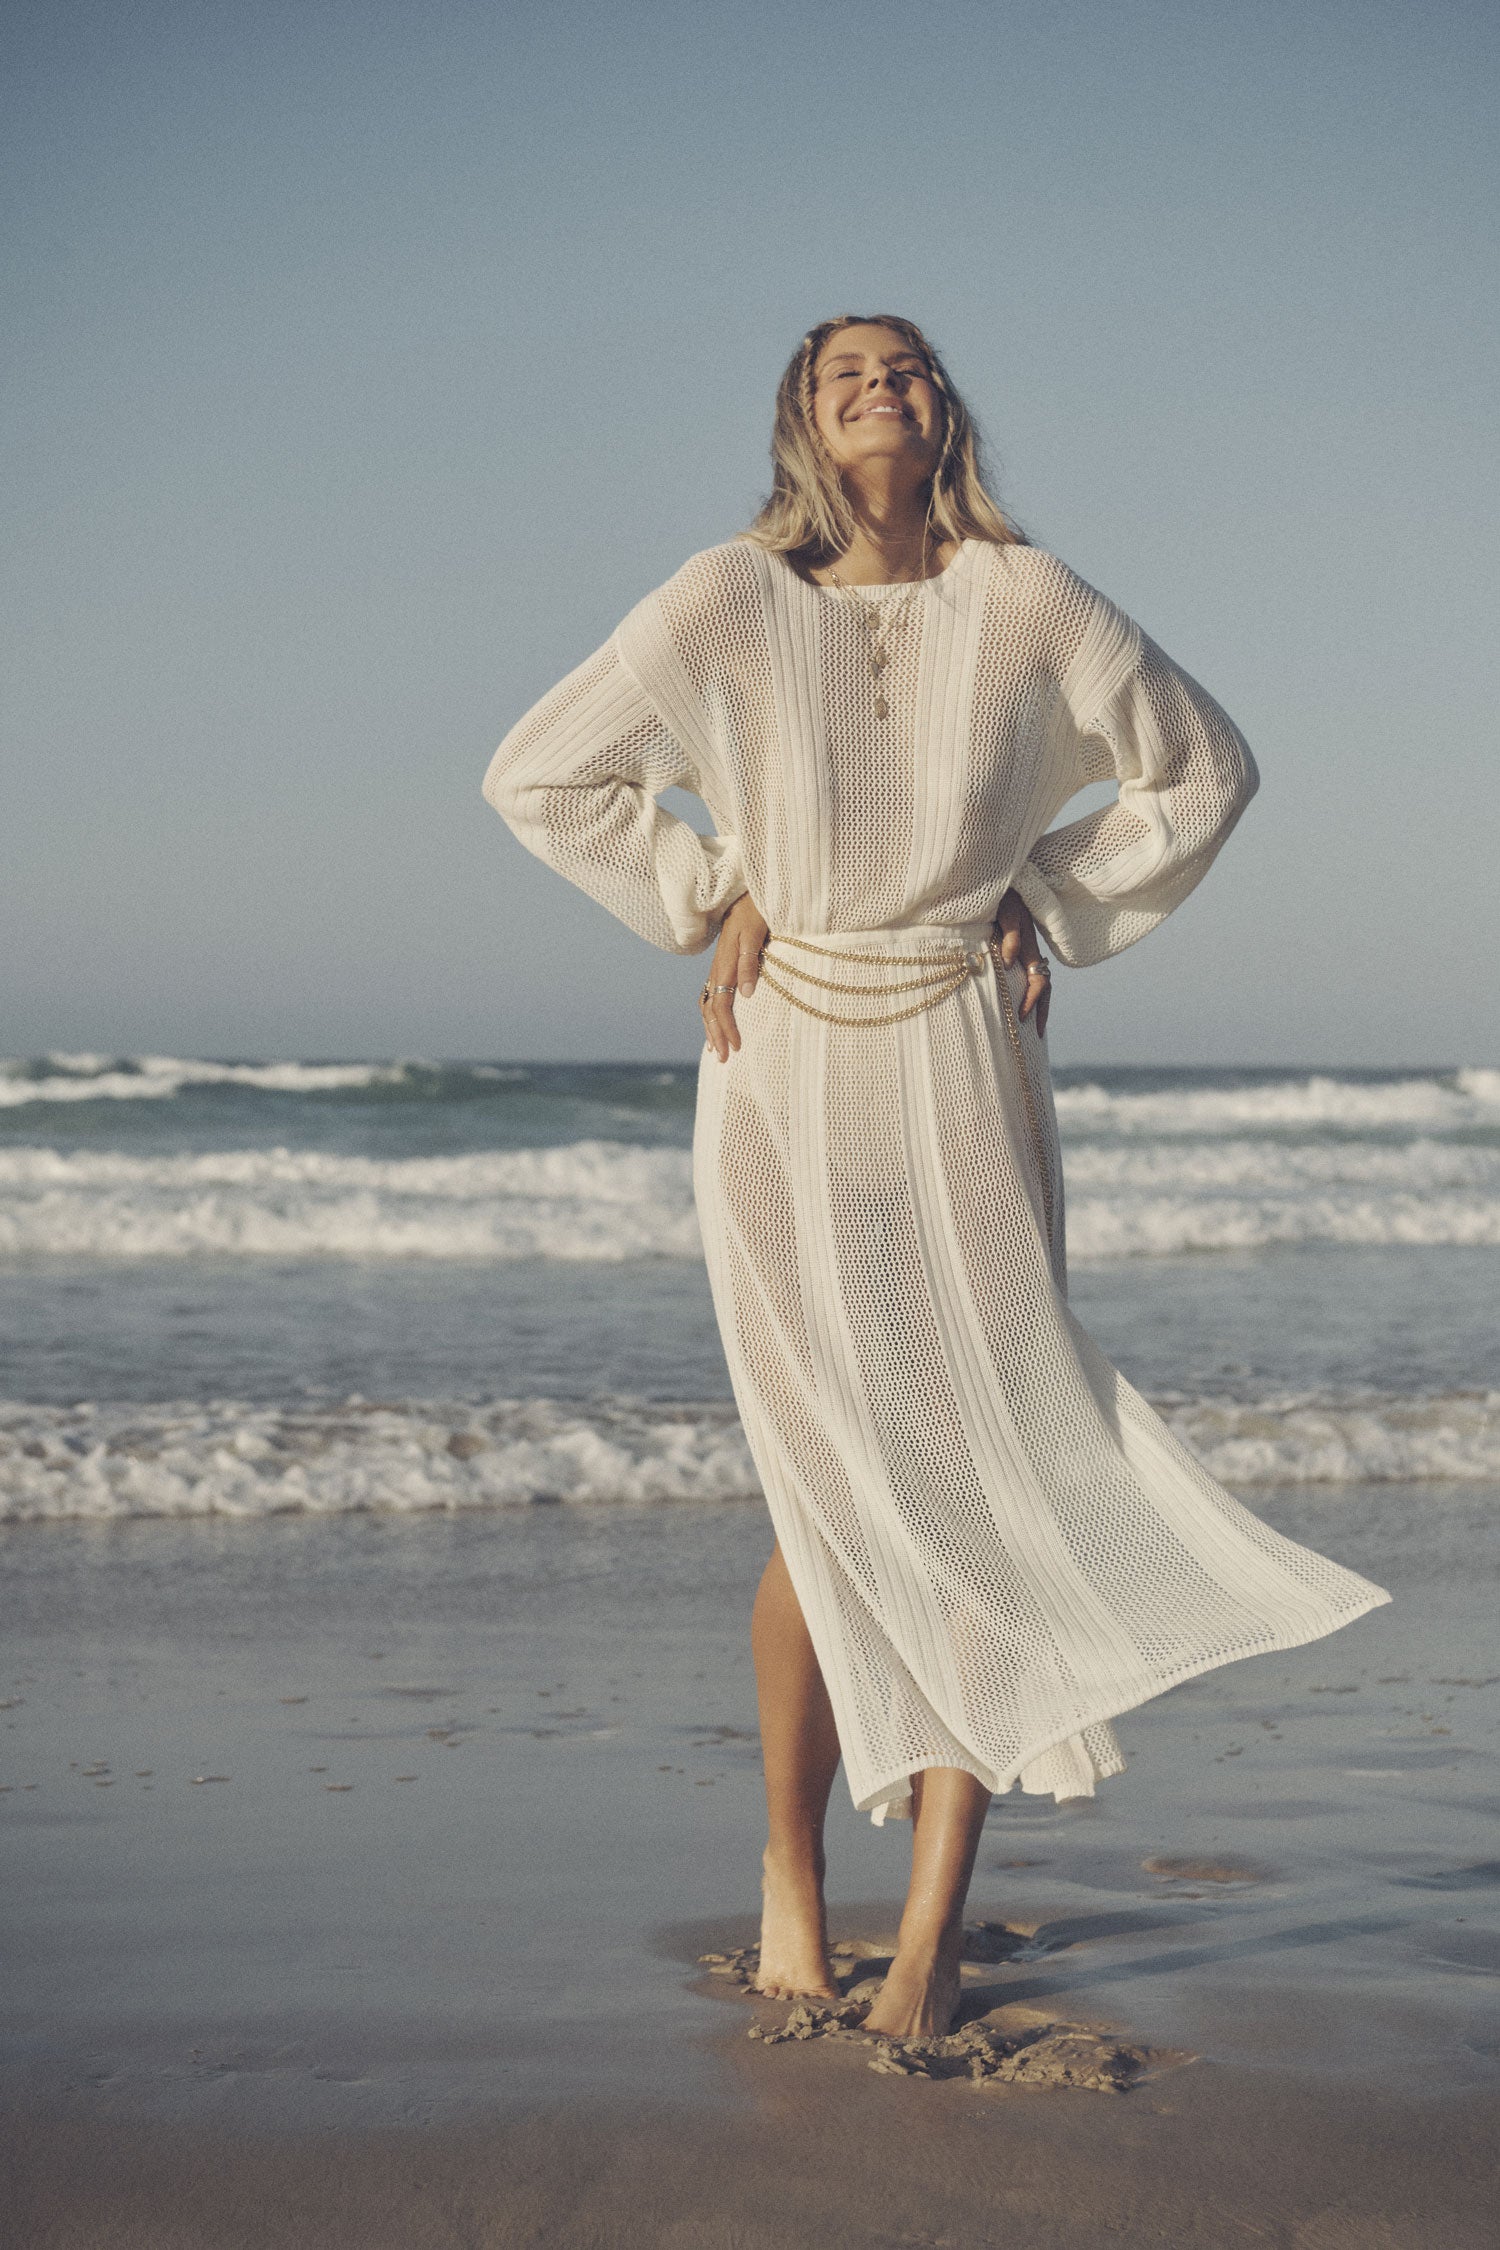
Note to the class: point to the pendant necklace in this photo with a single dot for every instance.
(878, 627)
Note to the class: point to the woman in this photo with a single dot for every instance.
(988, 1545)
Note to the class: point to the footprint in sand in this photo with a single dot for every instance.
(1483, 1875)
(1032, 2051)
(999, 1941)
(1040, 2053)
(1207, 1871)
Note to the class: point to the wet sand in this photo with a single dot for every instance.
(356, 1876)
(1222, 2158)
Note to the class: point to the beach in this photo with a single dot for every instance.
(378, 1749)
(358, 1891)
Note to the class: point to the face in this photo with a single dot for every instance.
(874, 400)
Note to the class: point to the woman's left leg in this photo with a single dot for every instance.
(920, 1995)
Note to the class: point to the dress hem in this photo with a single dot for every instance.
(889, 1798)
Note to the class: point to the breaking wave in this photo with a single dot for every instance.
(1457, 1101)
(614, 1200)
(1435, 1102)
(1377, 1438)
(105, 1463)
(155, 1078)
(1169, 1226)
(588, 1200)
(412, 1457)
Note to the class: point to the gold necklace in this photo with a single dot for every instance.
(877, 630)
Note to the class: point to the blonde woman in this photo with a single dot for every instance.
(987, 1544)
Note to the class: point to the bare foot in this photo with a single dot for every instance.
(793, 1934)
(919, 1998)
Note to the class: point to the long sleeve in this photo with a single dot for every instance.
(1185, 773)
(577, 781)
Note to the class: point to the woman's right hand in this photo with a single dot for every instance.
(736, 969)
(1018, 942)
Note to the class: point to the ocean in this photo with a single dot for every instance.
(253, 1288)
(378, 1722)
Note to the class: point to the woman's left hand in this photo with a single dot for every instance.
(1018, 942)
(736, 969)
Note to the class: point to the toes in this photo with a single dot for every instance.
(779, 1989)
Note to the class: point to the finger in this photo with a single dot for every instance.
(1043, 1010)
(1037, 982)
(721, 1010)
(709, 1007)
(749, 964)
(1014, 918)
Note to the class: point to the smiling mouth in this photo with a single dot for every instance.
(895, 413)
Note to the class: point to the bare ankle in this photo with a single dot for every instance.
(793, 1929)
(931, 1945)
(799, 1863)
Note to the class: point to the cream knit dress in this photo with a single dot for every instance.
(996, 1543)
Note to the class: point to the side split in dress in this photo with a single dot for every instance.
(996, 1543)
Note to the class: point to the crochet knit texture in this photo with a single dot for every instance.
(997, 1545)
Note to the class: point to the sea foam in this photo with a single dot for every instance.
(415, 1457)
(136, 1078)
(1459, 1101)
(406, 1457)
(613, 1200)
(1435, 1102)
(587, 1200)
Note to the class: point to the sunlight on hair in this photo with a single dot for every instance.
(807, 516)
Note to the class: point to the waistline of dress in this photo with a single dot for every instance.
(897, 973)
(933, 961)
(892, 938)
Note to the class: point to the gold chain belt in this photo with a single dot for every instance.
(942, 975)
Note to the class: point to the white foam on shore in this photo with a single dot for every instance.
(1273, 1167)
(613, 1200)
(1464, 1100)
(155, 1078)
(1174, 1226)
(1376, 1438)
(409, 1457)
(415, 1457)
(591, 1200)
(1440, 1102)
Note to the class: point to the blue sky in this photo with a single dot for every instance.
(368, 362)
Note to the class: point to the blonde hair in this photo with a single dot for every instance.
(808, 518)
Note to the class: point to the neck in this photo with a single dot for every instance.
(892, 539)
